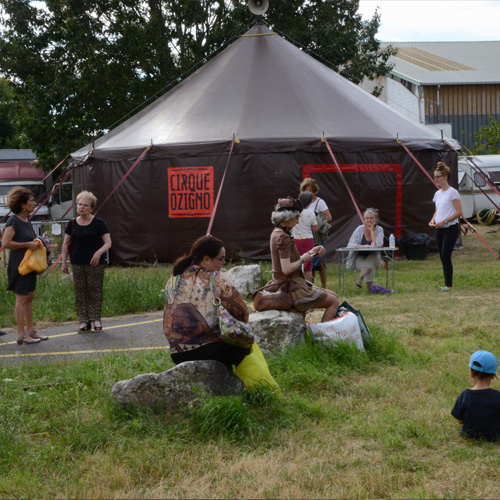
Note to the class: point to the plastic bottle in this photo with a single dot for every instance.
(392, 241)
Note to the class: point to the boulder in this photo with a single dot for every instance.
(245, 278)
(178, 387)
(273, 330)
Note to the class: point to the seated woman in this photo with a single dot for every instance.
(190, 320)
(367, 235)
(287, 263)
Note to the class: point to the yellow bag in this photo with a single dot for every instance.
(34, 260)
(253, 370)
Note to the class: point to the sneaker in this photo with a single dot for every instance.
(445, 289)
(2, 333)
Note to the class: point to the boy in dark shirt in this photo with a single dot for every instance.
(478, 409)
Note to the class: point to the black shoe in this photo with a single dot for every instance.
(2, 333)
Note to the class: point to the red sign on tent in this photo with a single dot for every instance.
(190, 191)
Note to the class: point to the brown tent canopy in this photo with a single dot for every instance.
(278, 102)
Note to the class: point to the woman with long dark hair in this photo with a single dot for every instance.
(446, 220)
(190, 320)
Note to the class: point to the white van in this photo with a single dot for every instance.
(475, 192)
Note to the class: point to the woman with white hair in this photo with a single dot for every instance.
(369, 234)
(90, 239)
(287, 263)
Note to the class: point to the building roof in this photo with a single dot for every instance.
(447, 63)
(7, 155)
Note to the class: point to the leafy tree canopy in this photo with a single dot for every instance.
(488, 139)
(9, 137)
(78, 66)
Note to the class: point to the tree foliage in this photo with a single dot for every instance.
(488, 139)
(9, 136)
(78, 66)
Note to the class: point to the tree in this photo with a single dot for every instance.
(9, 137)
(487, 139)
(79, 66)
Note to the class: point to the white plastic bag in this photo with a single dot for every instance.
(345, 327)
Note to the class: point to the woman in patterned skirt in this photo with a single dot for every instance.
(90, 241)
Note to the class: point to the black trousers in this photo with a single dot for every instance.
(445, 239)
(219, 351)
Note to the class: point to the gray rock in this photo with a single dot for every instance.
(178, 387)
(273, 330)
(246, 278)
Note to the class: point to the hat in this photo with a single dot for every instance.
(484, 361)
(286, 209)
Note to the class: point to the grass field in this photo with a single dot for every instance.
(349, 425)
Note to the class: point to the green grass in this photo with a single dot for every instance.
(348, 425)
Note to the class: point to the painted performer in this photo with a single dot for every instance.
(287, 263)
(446, 220)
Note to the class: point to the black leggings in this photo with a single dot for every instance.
(445, 239)
(219, 351)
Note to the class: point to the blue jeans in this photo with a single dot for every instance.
(445, 239)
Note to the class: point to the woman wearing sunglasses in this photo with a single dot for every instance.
(446, 220)
(190, 319)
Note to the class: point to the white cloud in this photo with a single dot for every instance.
(435, 20)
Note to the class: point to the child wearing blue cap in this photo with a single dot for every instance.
(478, 409)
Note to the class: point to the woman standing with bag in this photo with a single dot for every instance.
(19, 237)
(287, 263)
(190, 320)
(90, 240)
(446, 220)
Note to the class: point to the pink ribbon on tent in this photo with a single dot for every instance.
(220, 188)
(124, 177)
(342, 177)
(437, 186)
(418, 163)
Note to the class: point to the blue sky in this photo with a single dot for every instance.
(435, 20)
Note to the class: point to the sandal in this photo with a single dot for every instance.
(84, 327)
(21, 339)
(97, 328)
(38, 336)
(359, 282)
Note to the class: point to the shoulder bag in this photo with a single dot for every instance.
(274, 295)
(233, 331)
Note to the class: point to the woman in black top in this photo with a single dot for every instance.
(89, 238)
(18, 237)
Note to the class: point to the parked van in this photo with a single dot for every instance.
(474, 190)
(16, 169)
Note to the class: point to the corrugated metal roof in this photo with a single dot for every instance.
(16, 155)
(447, 63)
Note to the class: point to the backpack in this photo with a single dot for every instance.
(321, 234)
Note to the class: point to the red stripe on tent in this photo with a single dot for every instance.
(345, 182)
(307, 170)
(124, 177)
(210, 224)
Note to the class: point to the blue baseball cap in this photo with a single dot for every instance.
(484, 361)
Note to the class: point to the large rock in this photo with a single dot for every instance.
(273, 330)
(246, 278)
(179, 386)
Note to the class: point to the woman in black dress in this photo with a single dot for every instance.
(19, 236)
(90, 239)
